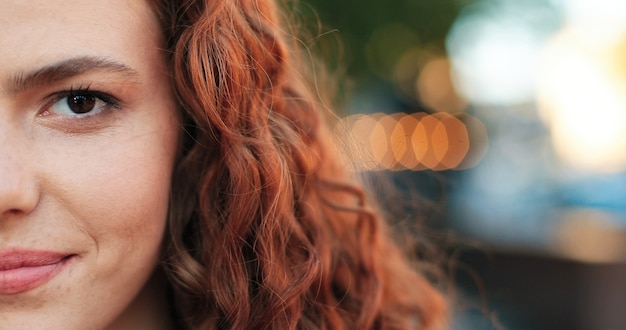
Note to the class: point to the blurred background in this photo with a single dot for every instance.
(510, 117)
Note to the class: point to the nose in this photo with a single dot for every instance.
(18, 188)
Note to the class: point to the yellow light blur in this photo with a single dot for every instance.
(417, 141)
(380, 143)
(400, 143)
(458, 141)
(582, 99)
(478, 140)
(590, 235)
(354, 134)
(435, 88)
(429, 124)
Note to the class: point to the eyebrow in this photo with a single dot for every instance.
(66, 69)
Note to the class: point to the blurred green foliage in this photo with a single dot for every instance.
(375, 33)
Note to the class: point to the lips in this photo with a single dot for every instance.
(24, 270)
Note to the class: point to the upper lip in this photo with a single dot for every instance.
(17, 258)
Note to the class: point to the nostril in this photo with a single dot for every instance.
(16, 211)
(13, 212)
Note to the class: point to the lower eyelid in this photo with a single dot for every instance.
(81, 124)
(91, 122)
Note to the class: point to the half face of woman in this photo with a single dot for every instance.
(88, 136)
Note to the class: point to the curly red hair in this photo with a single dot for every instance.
(266, 230)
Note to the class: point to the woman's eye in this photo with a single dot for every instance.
(78, 104)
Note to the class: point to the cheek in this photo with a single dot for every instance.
(131, 185)
(115, 186)
(134, 186)
(110, 193)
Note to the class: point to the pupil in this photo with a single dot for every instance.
(81, 103)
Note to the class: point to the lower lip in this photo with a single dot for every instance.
(22, 279)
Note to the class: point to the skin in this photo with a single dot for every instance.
(94, 186)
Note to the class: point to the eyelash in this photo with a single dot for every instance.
(110, 102)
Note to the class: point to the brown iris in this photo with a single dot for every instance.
(81, 103)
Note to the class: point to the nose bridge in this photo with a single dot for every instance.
(18, 192)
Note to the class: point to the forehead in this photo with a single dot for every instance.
(37, 32)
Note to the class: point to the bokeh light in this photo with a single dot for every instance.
(418, 141)
(582, 97)
(386, 45)
(494, 47)
(435, 87)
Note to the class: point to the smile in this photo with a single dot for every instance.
(24, 270)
